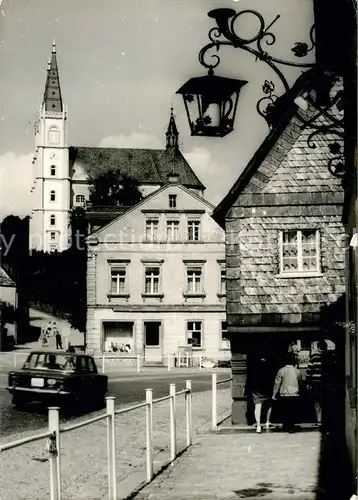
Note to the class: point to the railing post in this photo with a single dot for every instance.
(149, 433)
(103, 358)
(173, 436)
(200, 360)
(138, 364)
(214, 401)
(111, 449)
(54, 451)
(188, 408)
(169, 361)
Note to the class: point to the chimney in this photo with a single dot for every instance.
(173, 177)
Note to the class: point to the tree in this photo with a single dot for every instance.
(114, 189)
(79, 231)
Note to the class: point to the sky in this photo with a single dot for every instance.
(120, 65)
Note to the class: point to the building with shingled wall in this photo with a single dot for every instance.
(285, 242)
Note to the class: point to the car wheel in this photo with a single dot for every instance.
(19, 401)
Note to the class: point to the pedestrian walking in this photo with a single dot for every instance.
(287, 387)
(258, 387)
(58, 336)
(315, 377)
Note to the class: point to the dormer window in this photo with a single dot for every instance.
(172, 201)
(52, 196)
(80, 199)
(53, 170)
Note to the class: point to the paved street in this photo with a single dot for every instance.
(127, 388)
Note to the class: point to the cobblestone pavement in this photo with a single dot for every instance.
(269, 466)
(24, 471)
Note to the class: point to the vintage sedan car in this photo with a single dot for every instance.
(67, 379)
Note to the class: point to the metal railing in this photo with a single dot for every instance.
(214, 404)
(53, 434)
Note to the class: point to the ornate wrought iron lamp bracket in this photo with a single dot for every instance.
(224, 34)
(323, 121)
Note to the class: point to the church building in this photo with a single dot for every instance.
(61, 171)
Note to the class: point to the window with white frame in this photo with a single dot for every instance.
(225, 342)
(194, 279)
(52, 195)
(52, 235)
(222, 278)
(299, 251)
(118, 280)
(151, 229)
(194, 333)
(172, 230)
(172, 201)
(80, 198)
(53, 135)
(193, 230)
(52, 220)
(152, 280)
(53, 170)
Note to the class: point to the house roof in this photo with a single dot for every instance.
(147, 166)
(280, 116)
(5, 279)
(149, 197)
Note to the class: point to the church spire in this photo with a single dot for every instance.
(52, 100)
(172, 133)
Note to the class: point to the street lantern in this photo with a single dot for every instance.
(210, 103)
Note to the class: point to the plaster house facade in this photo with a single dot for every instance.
(285, 250)
(61, 171)
(156, 279)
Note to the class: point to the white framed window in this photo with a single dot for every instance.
(52, 235)
(53, 248)
(52, 195)
(80, 198)
(118, 280)
(225, 342)
(53, 170)
(194, 279)
(172, 201)
(194, 333)
(172, 230)
(151, 230)
(53, 135)
(222, 278)
(299, 251)
(193, 230)
(52, 220)
(152, 280)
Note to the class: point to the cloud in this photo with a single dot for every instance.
(210, 172)
(15, 184)
(134, 140)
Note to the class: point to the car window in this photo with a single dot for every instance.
(50, 361)
(82, 364)
(92, 365)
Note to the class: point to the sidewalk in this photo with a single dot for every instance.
(269, 466)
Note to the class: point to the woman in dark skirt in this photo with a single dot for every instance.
(259, 385)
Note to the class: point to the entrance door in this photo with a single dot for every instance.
(152, 341)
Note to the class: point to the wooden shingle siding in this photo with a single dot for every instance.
(291, 189)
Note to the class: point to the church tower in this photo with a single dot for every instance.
(51, 191)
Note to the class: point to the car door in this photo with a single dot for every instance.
(84, 382)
